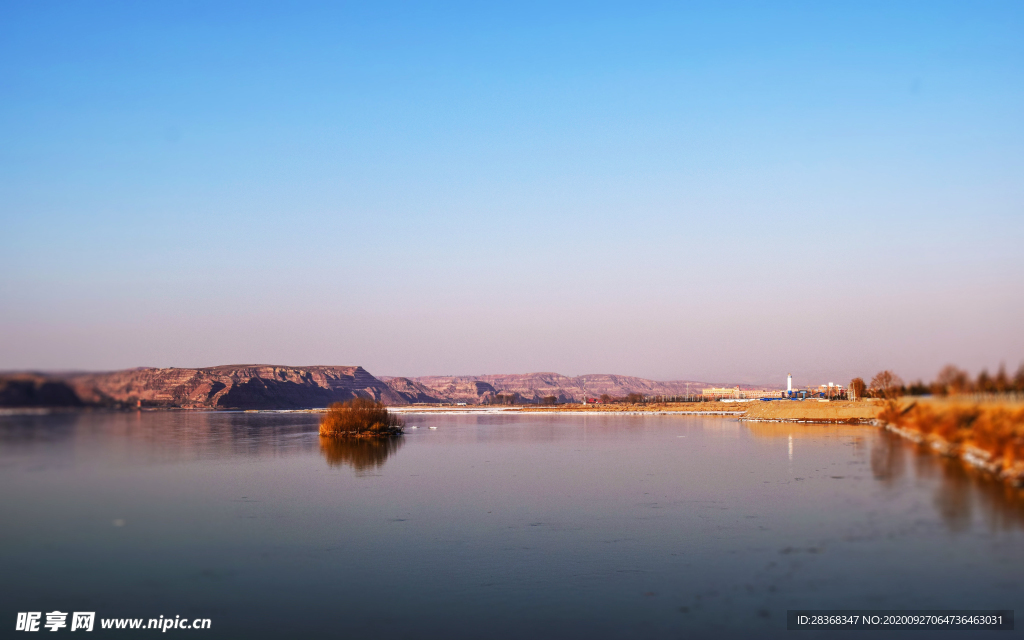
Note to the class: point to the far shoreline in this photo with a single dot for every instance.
(823, 411)
(816, 410)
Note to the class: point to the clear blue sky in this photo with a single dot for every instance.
(724, 191)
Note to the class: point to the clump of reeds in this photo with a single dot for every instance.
(361, 417)
(892, 414)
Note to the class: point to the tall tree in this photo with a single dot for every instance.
(858, 387)
(886, 384)
(950, 381)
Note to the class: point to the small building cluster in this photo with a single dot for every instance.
(830, 391)
(736, 393)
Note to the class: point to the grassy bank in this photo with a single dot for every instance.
(988, 435)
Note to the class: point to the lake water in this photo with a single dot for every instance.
(494, 526)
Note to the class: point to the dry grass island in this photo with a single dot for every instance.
(360, 418)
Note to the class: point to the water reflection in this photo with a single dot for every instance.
(798, 430)
(888, 459)
(963, 497)
(362, 454)
(599, 526)
(962, 493)
(965, 493)
(161, 437)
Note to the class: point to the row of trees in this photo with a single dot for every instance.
(631, 398)
(950, 381)
(514, 398)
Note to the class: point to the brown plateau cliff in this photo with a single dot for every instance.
(225, 387)
(233, 387)
(36, 390)
(532, 387)
(453, 388)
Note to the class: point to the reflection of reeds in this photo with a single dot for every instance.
(362, 454)
(887, 460)
(960, 493)
(988, 436)
(359, 417)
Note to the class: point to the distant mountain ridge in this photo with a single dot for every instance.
(251, 386)
(448, 388)
(263, 386)
(532, 387)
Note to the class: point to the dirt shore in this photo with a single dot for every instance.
(815, 411)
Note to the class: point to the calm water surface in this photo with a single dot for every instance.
(491, 525)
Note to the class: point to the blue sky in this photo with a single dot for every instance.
(725, 191)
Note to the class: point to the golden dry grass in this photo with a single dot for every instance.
(992, 429)
(359, 417)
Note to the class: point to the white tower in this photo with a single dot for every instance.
(789, 384)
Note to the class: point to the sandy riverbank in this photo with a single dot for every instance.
(815, 411)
